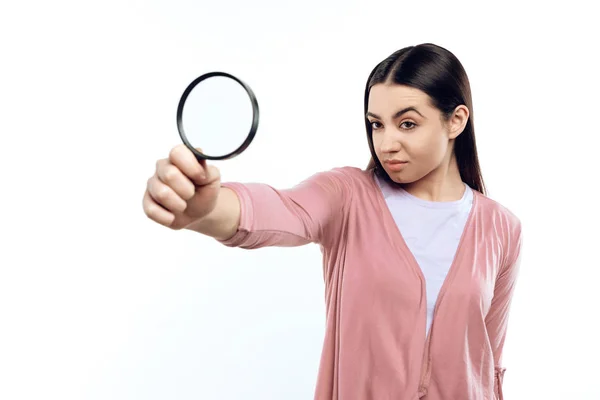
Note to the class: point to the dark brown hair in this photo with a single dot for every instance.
(437, 72)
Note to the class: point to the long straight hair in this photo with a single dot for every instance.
(437, 72)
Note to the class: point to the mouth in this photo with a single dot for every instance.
(395, 165)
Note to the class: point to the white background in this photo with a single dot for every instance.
(98, 302)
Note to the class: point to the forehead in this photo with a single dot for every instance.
(388, 98)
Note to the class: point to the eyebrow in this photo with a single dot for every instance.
(398, 114)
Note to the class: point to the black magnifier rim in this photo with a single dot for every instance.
(253, 128)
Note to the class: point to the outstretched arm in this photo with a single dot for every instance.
(306, 213)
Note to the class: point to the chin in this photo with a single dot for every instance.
(403, 177)
(401, 180)
(399, 177)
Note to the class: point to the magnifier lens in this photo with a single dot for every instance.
(217, 116)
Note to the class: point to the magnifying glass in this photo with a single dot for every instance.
(217, 116)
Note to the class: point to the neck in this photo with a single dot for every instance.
(441, 184)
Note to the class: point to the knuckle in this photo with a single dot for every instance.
(168, 222)
(170, 173)
(176, 152)
(150, 211)
(162, 193)
(151, 183)
(188, 192)
(146, 209)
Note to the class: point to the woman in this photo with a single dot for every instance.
(419, 265)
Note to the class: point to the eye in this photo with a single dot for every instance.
(411, 125)
(375, 125)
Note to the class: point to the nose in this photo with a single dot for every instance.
(390, 144)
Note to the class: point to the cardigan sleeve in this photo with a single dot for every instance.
(498, 315)
(309, 212)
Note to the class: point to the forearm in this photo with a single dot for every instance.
(255, 215)
(222, 223)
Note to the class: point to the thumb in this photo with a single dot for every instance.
(200, 176)
(211, 173)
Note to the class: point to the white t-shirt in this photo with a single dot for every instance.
(431, 230)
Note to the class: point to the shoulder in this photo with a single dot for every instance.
(347, 176)
(498, 212)
(353, 176)
(504, 223)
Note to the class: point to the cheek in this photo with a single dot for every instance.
(431, 146)
(377, 144)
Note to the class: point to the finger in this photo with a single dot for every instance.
(165, 196)
(212, 174)
(175, 179)
(203, 160)
(182, 157)
(155, 212)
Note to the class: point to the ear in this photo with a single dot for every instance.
(458, 121)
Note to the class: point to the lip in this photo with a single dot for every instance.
(395, 165)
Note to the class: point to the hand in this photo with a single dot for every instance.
(182, 190)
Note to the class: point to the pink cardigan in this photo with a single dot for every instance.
(375, 346)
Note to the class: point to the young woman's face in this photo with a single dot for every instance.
(410, 137)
